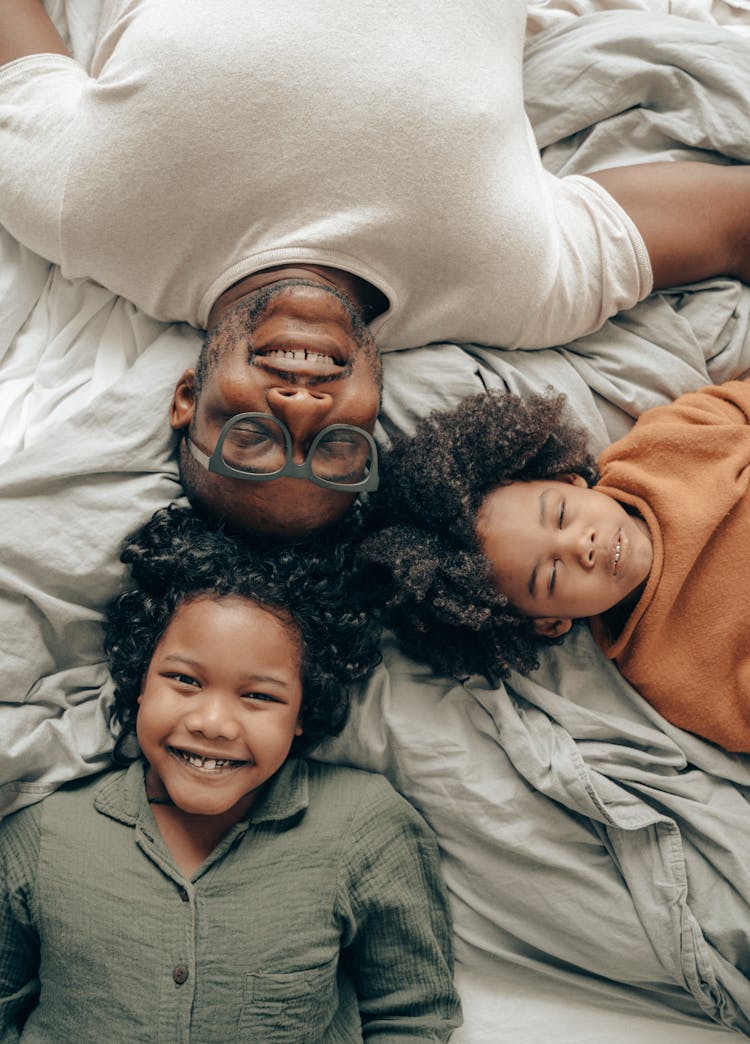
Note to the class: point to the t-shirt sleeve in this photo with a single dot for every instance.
(39, 98)
(601, 267)
(392, 897)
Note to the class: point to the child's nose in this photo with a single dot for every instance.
(581, 545)
(213, 717)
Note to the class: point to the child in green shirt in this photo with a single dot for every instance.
(219, 886)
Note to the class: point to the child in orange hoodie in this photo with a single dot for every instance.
(514, 544)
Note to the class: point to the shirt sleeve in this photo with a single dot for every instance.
(39, 97)
(19, 942)
(397, 943)
(727, 403)
(715, 407)
(598, 262)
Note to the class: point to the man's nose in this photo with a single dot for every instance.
(303, 410)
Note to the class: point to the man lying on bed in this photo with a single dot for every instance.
(310, 196)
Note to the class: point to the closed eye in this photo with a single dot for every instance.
(561, 518)
(341, 444)
(553, 577)
(248, 438)
(261, 697)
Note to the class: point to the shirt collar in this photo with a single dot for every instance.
(286, 794)
(122, 794)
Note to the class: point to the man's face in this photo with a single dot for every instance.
(296, 350)
(560, 550)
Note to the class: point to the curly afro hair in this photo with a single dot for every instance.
(421, 563)
(177, 557)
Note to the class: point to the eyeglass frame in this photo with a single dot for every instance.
(218, 466)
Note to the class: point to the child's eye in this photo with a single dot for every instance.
(261, 697)
(553, 577)
(562, 513)
(183, 679)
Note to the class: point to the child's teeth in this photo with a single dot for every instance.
(208, 763)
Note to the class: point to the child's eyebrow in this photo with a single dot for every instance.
(179, 658)
(543, 505)
(269, 678)
(252, 679)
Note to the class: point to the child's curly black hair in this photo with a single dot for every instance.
(422, 565)
(177, 556)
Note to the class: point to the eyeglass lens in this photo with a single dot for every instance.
(256, 445)
(342, 455)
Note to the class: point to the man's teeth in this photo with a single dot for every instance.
(301, 355)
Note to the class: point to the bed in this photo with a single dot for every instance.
(597, 858)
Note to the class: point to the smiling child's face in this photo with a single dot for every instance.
(560, 550)
(220, 705)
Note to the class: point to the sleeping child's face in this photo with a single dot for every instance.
(220, 705)
(560, 550)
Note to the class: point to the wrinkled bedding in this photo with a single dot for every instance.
(597, 858)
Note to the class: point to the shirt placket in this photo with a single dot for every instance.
(175, 940)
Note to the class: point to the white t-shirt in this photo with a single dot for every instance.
(389, 139)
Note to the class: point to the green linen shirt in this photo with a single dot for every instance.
(321, 917)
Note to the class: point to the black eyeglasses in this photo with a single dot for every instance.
(257, 447)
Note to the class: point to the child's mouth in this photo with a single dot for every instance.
(617, 554)
(197, 761)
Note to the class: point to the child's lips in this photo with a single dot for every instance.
(617, 552)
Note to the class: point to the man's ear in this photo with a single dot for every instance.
(551, 626)
(182, 407)
(572, 478)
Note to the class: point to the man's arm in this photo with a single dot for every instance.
(694, 217)
(26, 28)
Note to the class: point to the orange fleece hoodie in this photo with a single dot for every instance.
(685, 468)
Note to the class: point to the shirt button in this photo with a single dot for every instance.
(182, 892)
(180, 973)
